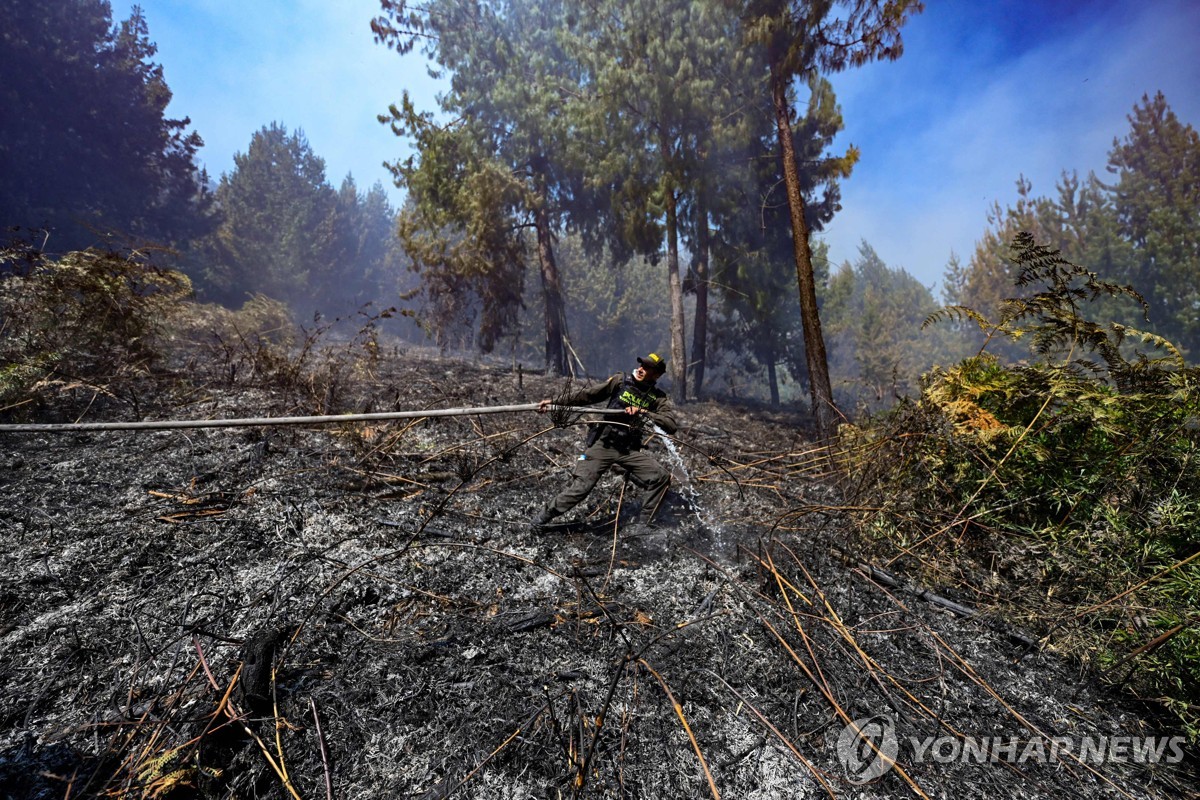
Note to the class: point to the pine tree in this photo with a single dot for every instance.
(1143, 230)
(616, 310)
(278, 235)
(670, 109)
(509, 82)
(874, 315)
(1157, 199)
(796, 38)
(363, 267)
(85, 148)
(753, 255)
(458, 226)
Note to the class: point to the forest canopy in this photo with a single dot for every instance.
(583, 191)
(86, 149)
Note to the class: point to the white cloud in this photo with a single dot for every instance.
(924, 188)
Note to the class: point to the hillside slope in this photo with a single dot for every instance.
(364, 610)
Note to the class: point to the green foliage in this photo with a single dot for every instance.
(753, 258)
(793, 40)
(87, 153)
(1157, 201)
(91, 320)
(367, 264)
(1070, 480)
(497, 169)
(872, 317)
(1143, 229)
(286, 233)
(458, 228)
(640, 125)
(278, 233)
(618, 310)
(85, 148)
(829, 37)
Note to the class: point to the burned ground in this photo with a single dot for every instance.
(363, 611)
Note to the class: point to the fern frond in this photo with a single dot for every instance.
(958, 313)
(164, 785)
(1151, 340)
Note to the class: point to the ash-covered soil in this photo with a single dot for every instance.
(363, 611)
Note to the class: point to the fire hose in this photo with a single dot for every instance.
(162, 425)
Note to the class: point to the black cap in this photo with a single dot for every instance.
(653, 362)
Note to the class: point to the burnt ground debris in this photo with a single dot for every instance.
(364, 611)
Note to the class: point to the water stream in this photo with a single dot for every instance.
(686, 488)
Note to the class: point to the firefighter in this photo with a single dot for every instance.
(634, 400)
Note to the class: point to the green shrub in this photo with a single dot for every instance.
(255, 343)
(89, 320)
(1063, 490)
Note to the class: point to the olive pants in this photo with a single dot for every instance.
(643, 469)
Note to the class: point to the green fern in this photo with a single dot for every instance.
(1077, 470)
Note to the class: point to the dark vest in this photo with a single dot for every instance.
(626, 436)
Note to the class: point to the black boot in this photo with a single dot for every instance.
(543, 519)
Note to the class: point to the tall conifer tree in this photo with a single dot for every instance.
(798, 38)
(510, 82)
(1157, 200)
(278, 233)
(670, 88)
(86, 149)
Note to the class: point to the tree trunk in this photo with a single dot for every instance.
(678, 365)
(824, 411)
(773, 381)
(556, 322)
(700, 324)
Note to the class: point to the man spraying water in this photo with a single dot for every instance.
(634, 400)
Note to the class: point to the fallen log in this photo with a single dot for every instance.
(879, 576)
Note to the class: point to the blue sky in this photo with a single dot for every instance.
(987, 90)
(990, 90)
(235, 66)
